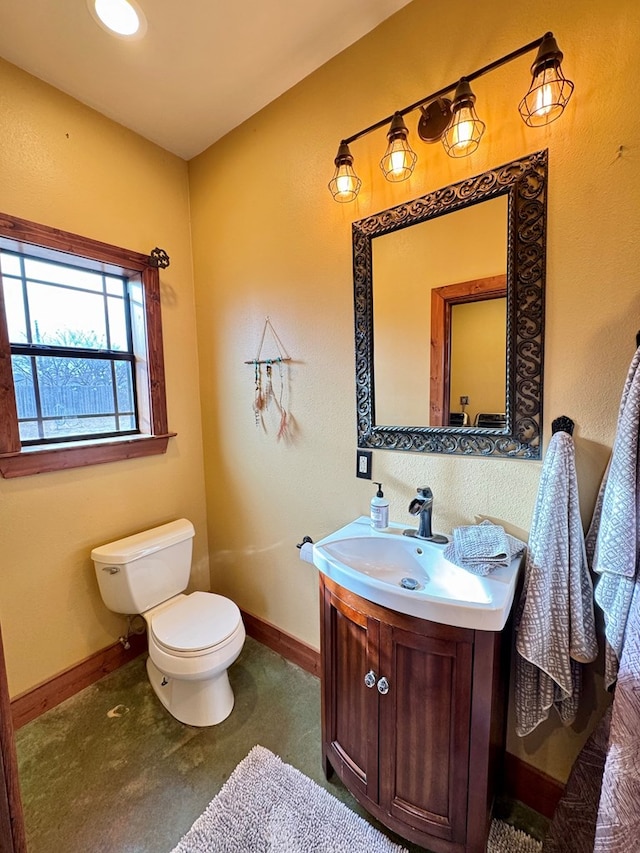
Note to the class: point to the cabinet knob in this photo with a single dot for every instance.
(370, 678)
(383, 686)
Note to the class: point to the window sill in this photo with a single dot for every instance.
(40, 460)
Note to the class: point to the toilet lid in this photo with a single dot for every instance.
(196, 622)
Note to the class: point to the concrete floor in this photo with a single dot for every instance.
(110, 770)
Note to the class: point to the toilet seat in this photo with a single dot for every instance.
(196, 624)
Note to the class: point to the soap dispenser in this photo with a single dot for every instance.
(379, 510)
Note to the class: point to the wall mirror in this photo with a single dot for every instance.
(449, 317)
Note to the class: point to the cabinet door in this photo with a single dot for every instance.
(350, 708)
(424, 728)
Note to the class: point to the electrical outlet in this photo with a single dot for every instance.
(464, 401)
(363, 464)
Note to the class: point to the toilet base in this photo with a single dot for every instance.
(205, 702)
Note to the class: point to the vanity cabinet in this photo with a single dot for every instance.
(412, 719)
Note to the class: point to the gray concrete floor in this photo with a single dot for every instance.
(110, 770)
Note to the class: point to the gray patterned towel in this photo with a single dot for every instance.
(618, 823)
(613, 540)
(481, 548)
(554, 622)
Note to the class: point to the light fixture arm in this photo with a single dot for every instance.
(509, 57)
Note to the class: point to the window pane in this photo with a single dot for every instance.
(127, 422)
(28, 430)
(14, 306)
(65, 427)
(23, 384)
(124, 386)
(9, 264)
(66, 317)
(75, 386)
(117, 324)
(115, 286)
(58, 274)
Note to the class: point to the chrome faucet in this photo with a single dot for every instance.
(422, 505)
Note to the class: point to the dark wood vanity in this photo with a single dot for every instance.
(413, 718)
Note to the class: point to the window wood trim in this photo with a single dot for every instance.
(16, 461)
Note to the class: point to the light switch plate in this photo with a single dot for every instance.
(363, 464)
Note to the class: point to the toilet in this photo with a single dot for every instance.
(193, 639)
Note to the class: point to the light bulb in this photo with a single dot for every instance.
(465, 129)
(399, 159)
(462, 131)
(544, 100)
(345, 184)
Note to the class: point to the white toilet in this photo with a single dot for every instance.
(193, 639)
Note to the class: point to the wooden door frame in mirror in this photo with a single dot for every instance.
(442, 301)
(524, 181)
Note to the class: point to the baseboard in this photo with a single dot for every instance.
(531, 786)
(289, 647)
(30, 704)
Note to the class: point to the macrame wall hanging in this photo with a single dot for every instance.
(271, 381)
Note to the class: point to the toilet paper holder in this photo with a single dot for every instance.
(305, 539)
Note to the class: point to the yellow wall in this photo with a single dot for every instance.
(269, 240)
(63, 165)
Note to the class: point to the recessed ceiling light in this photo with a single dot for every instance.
(123, 18)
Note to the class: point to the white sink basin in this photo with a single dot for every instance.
(412, 576)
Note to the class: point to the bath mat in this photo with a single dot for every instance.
(267, 806)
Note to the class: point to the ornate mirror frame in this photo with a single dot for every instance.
(524, 181)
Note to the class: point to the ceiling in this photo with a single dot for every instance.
(203, 66)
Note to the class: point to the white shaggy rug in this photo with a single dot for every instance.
(267, 806)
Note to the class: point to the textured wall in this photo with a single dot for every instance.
(63, 165)
(268, 240)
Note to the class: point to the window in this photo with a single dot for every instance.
(81, 367)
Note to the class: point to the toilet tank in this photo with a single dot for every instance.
(143, 570)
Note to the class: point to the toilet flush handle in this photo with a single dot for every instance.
(113, 570)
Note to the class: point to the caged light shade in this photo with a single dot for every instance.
(550, 90)
(399, 159)
(465, 129)
(345, 184)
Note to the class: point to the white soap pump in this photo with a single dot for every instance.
(379, 509)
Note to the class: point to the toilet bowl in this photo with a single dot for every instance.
(193, 639)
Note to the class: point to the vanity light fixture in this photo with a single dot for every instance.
(345, 184)
(122, 18)
(455, 122)
(399, 159)
(465, 129)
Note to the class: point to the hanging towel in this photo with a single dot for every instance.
(554, 623)
(618, 822)
(614, 536)
(481, 548)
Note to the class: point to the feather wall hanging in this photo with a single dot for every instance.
(271, 382)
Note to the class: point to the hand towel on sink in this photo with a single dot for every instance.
(481, 548)
(554, 621)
